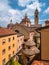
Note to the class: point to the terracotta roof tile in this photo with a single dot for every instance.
(44, 27)
(40, 63)
(5, 31)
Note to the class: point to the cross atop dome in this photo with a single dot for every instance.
(11, 21)
(25, 15)
(10, 25)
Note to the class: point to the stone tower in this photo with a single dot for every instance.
(36, 16)
(26, 21)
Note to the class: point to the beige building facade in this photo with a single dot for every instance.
(44, 42)
(20, 39)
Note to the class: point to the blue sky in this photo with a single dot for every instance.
(16, 9)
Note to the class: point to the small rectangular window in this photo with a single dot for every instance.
(9, 48)
(18, 40)
(3, 61)
(13, 38)
(9, 39)
(21, 39)
(13, 52)
(3, 41)
(13, 45)
(3, 51)
(9, 56)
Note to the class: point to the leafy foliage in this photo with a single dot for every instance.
(12, 62)
(16, 63)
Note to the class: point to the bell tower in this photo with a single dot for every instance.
(36, 16)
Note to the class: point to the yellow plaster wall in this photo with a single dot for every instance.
(5, 46)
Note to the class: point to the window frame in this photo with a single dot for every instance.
(3, 51)
(3, 61)
(9, 39)
(9, 47)
(3, 41)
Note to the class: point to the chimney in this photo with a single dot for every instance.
(46, 22)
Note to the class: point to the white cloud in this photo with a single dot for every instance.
(30, 8)
(23, 3)
(12, 11)
(7, 13)
(36, 4)
(47, 11)
(16, 15)
(4, 15)
(4, 5)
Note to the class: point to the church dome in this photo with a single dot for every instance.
(26, 19)
(10, 25)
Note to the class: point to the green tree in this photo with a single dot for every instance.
(16, 63)
(11, 62)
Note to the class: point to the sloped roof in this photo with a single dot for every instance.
(5, 31)
(36, 62)
(22, 27)
(44, 27)
(30, 43)
(30, 29)
(30, 52)
(19, 34)
(36, 26)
